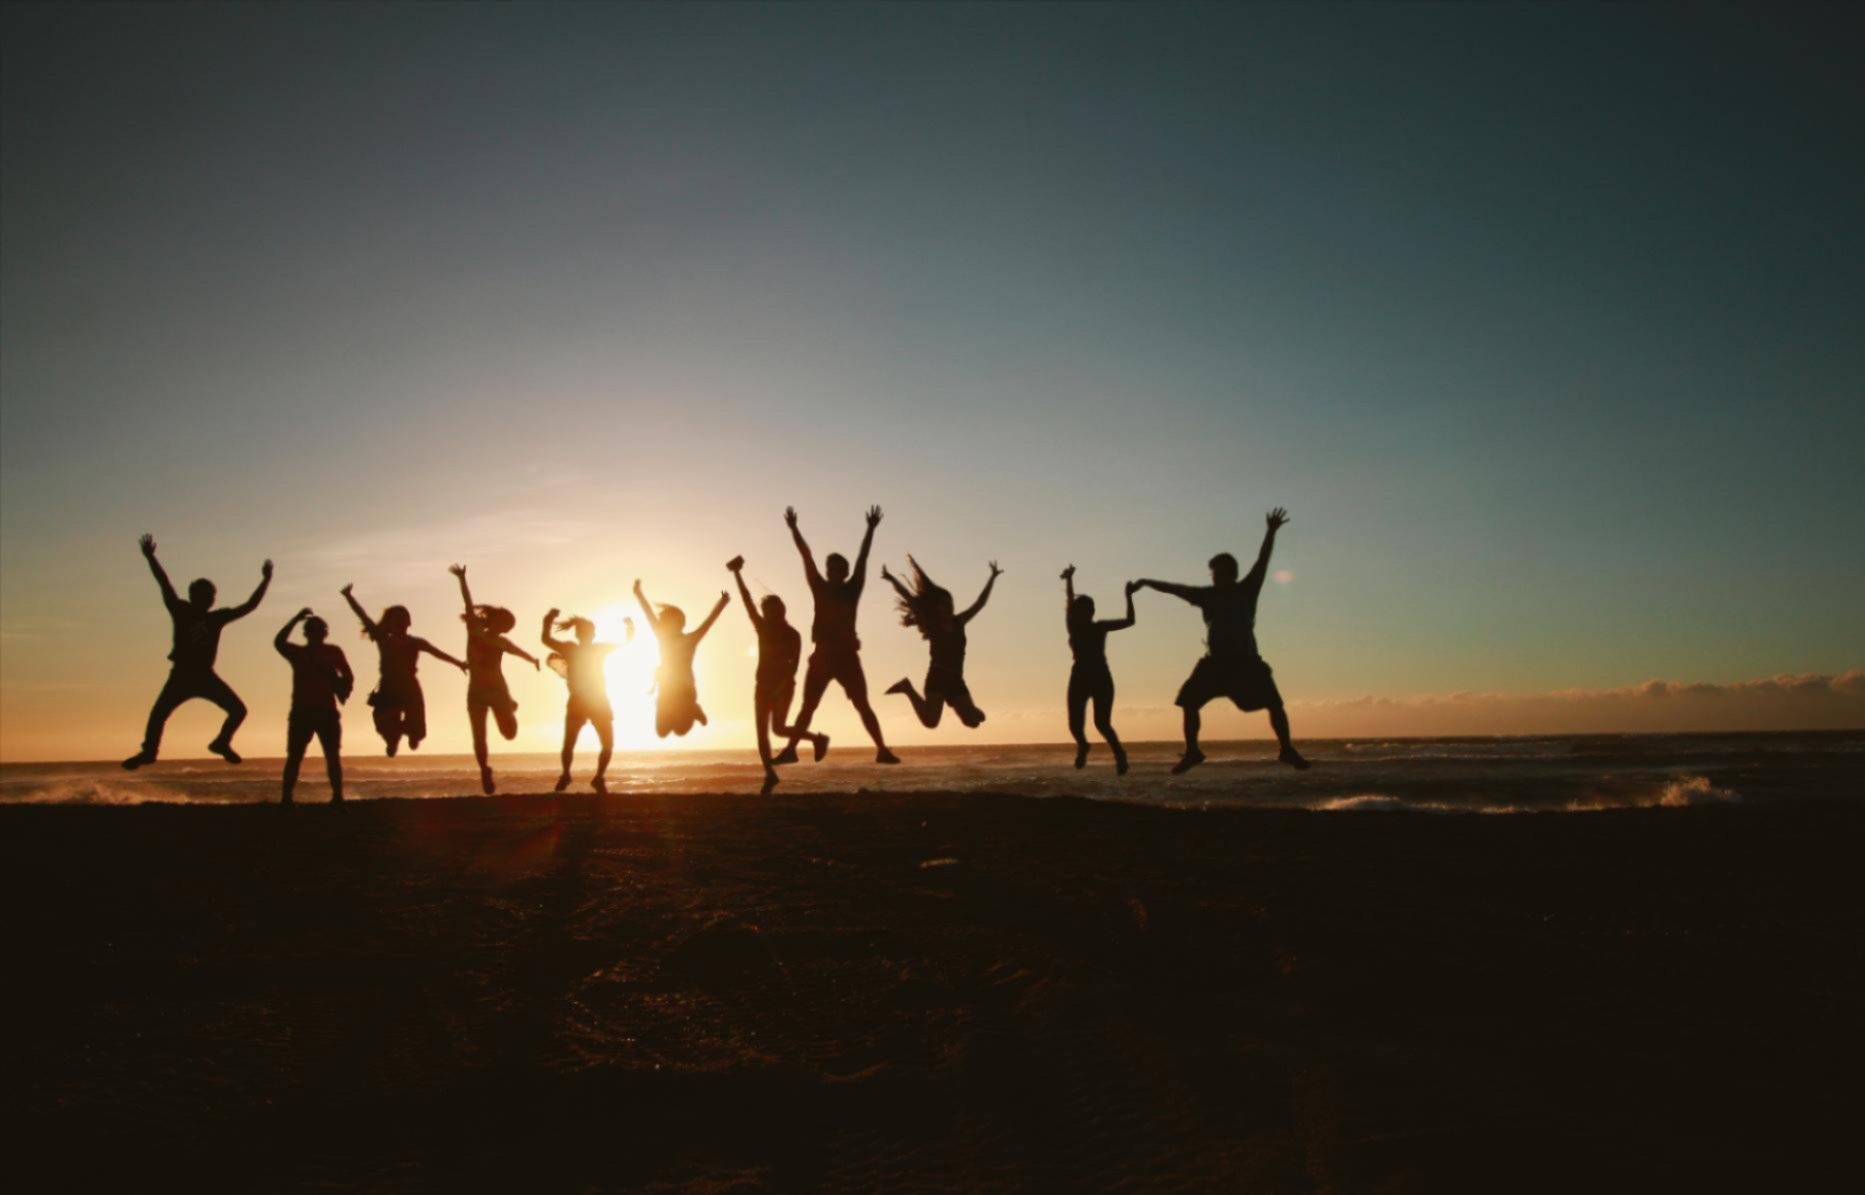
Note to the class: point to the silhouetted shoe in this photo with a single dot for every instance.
(902, 685)
(1190, 760)
(699, 715)
(821, 746)
(394, 745)
(1293, 758)
(563, 782)
(140, 759)
(599, 784)
(1081, 756)
(224, 750)
(885, 756)
(1120, 763)
(788, 755)
(770, 782)
(485, 782)
(286, 802)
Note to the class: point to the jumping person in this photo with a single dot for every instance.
(1231, 666)
(676, 706)
(486, 693)
(837, 656)
(928, 606)
(1090, 679)
(780, 647)
(400, 708)
(196, 644)
(580, 664)
(320, 678)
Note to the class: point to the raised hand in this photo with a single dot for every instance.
(995, 571)
(874, 517)
(735, 564)
(301, 615)
(265, 570)
(347, 590)
(885, 575)
(1133, 587)
(1276, 518)
(148, 545)
(1068, 574)
(458, 570)
(637, 586)
(790, 517)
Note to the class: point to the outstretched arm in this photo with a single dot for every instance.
(1275, 519)
(718, 607)
(744, 593)
(349, 595)
(809, 560)
(556, 645)
(1188, 593)
(466, 595)
(169, 597)
(252, 603)
(867, 541)
(512, 649)
(646, 607)
(1121, 624)
(438, 654)
(282, 640)
(906, 595)
(984, 595)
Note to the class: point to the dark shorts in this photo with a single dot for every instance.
(579, 710)
(304, 725)
(942, 684)
(1246, 680)
(839, 664)
(776, 692)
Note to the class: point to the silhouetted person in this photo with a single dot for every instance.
(320, 678)
(1090, 680)
(399, 705)
(486, 649)
(780, 648)
(928, 606)
(581, 664)
(196, 645)
(837, 656)
(1231, 666)
(676, 705)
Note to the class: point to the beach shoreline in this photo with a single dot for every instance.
(924, 991)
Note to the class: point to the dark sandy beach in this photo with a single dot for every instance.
(926, 993)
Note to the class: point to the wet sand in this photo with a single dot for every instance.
(926, 993)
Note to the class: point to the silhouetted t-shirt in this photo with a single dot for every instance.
(836, 602)
(948, 649)
(779, 648)
(319, 675)
(1088, 640)
(582, 668)
(1230, 616)
(400, 658)
(197, 636)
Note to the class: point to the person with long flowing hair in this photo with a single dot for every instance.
(487, 645)
(928, 607)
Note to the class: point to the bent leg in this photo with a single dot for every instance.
(476, 711)
(414, 717)
(928, 710)
(815, 684)
(1104, 721)
(175, 691)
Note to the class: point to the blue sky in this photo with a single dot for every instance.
(1543, 322)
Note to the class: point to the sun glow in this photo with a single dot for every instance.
(629, 672)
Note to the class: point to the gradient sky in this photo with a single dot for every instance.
(1543, 322)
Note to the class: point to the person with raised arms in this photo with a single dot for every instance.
(486, 691)
(676, 704)
(1090, 679)
(780, 649)
(196, 645)
(399, 705)
(1231, 666)
(837, 654)
(580, 664)
(927, 605)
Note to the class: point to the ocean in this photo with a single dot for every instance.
(1564, 773)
